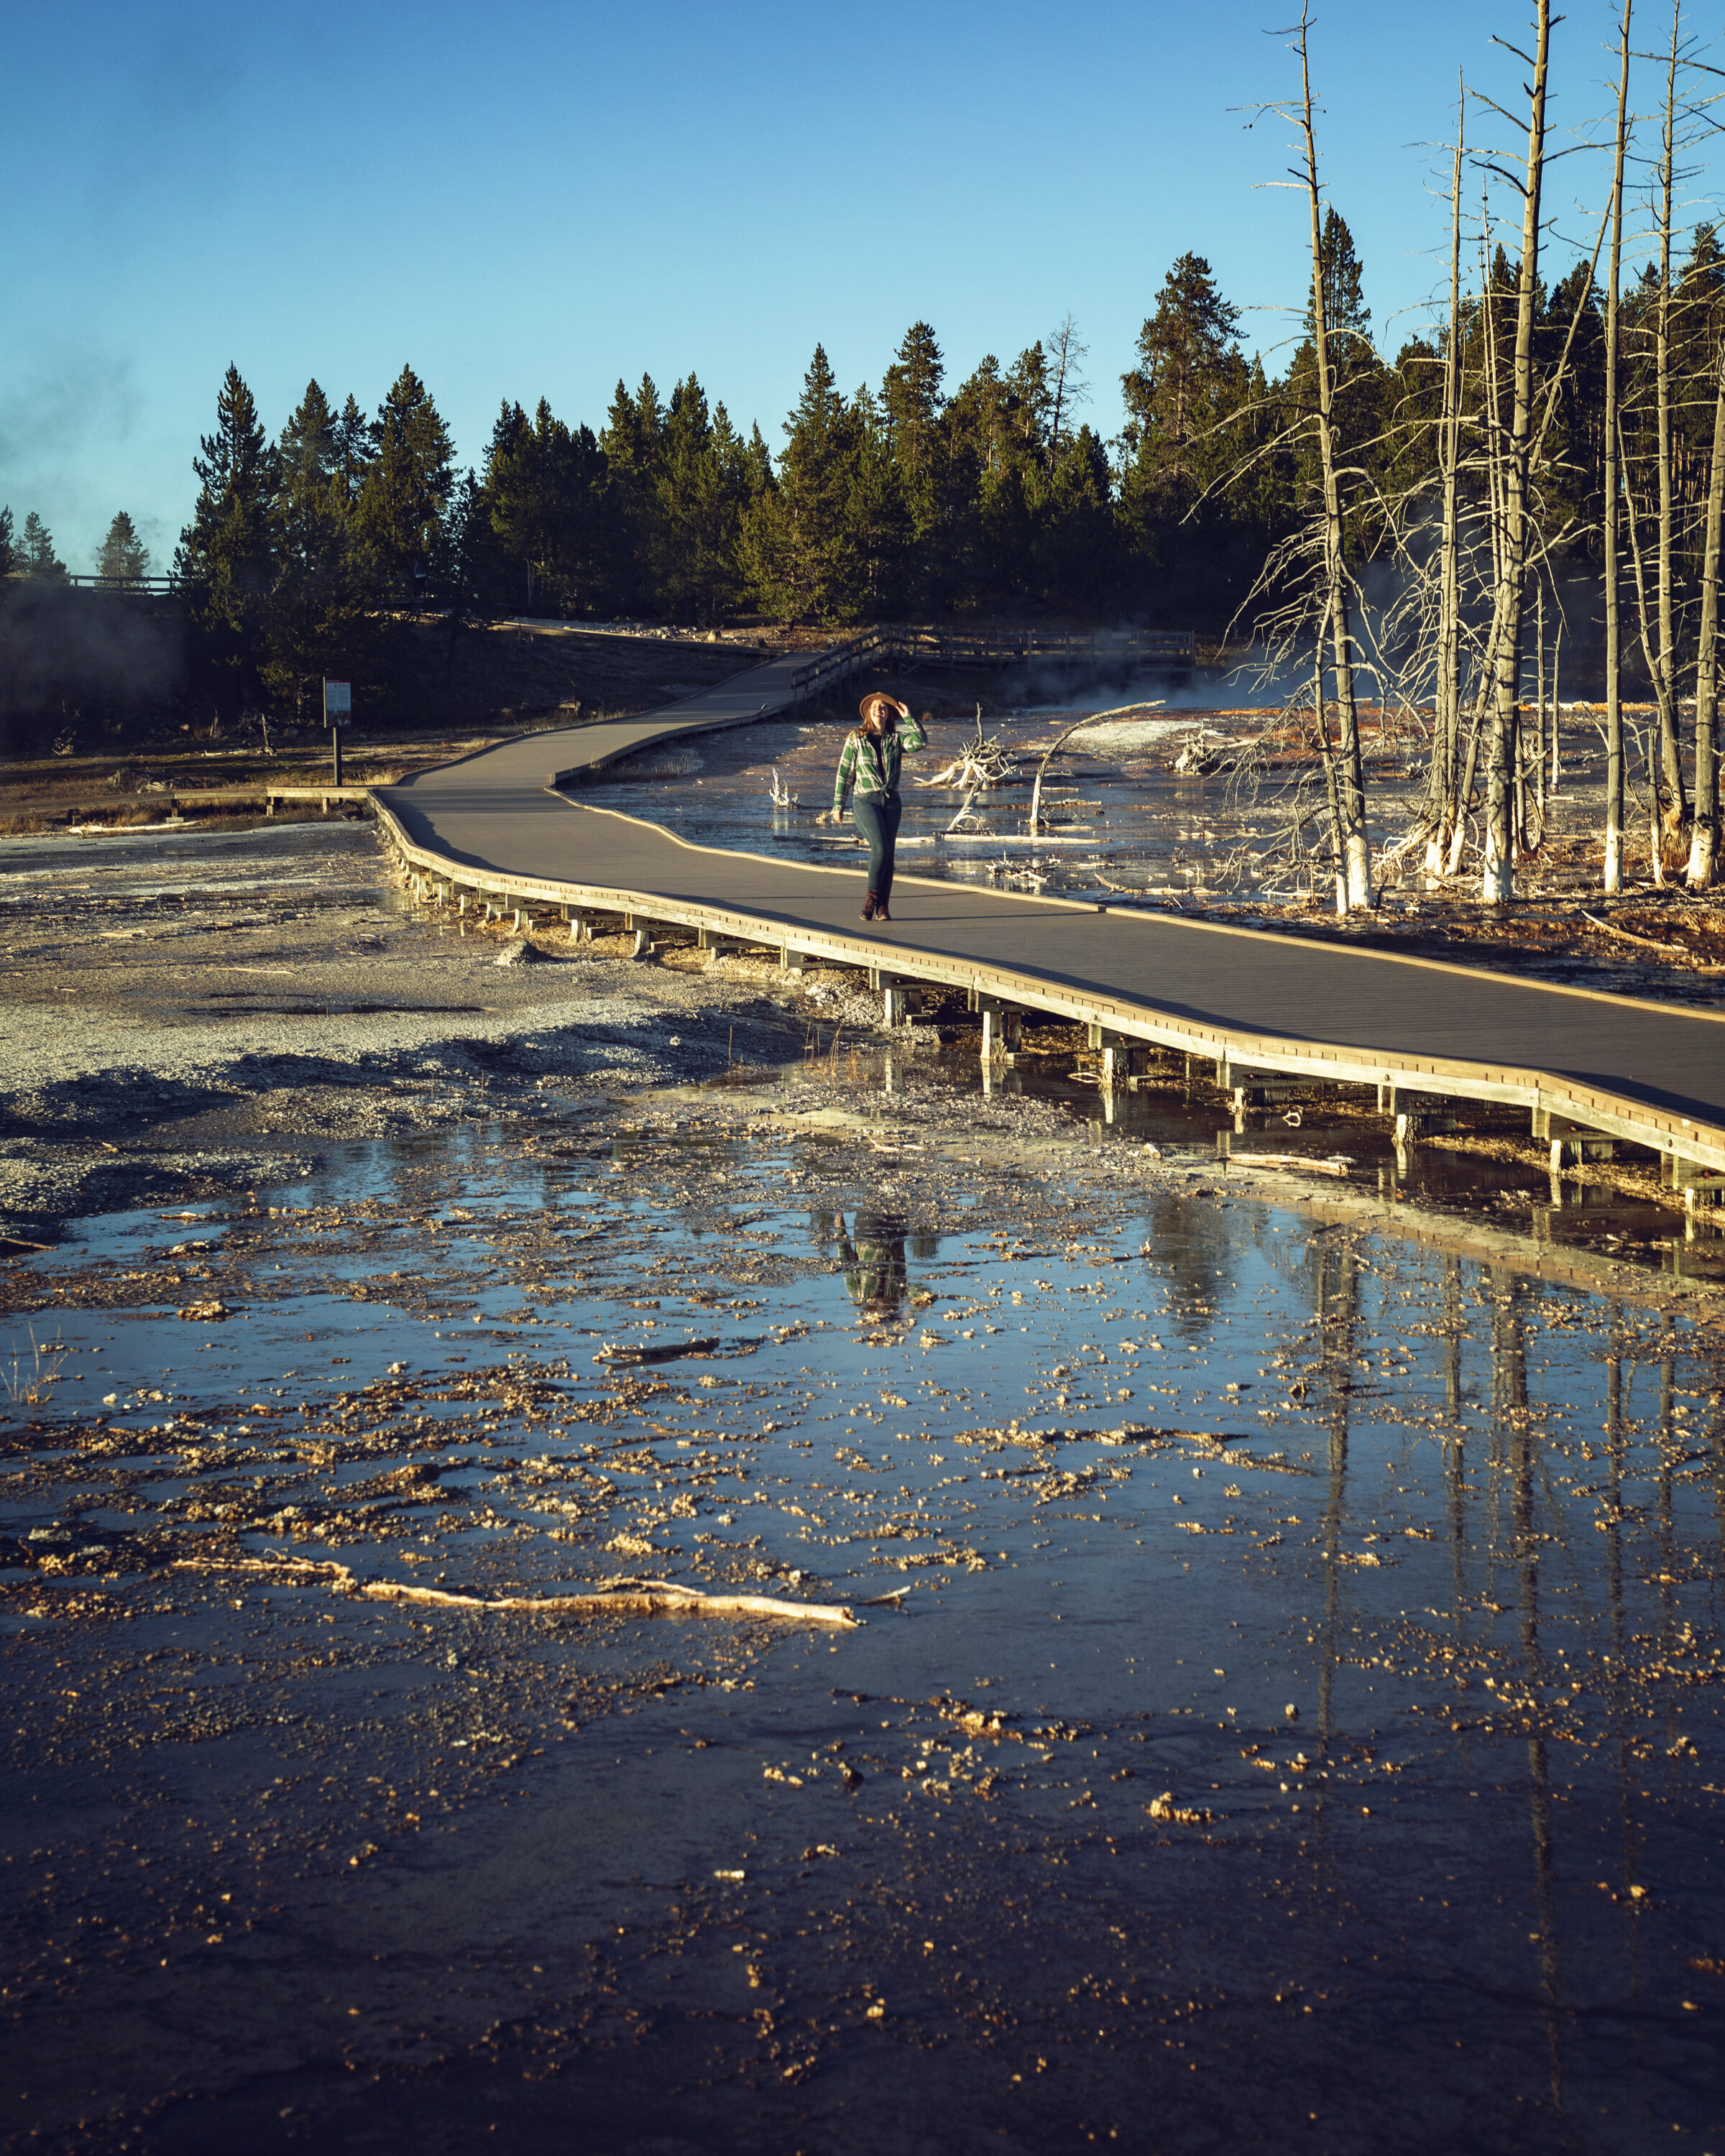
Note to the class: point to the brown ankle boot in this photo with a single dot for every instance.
(869, 905)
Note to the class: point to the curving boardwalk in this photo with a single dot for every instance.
(494, 824)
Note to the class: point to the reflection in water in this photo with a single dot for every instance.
(1439, 1529)
(1514, 1448)
(873, 1257)
(1192, 1247)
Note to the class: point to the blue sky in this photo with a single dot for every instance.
(526, 200)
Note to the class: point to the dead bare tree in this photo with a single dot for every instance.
(1661, 661)
(1497, 881)
(1472, 555)
(1614, 482)
(1065, 354)
(1704, 837)
(1349, 774)
(1446, 715)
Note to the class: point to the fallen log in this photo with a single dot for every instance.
(676, 1351)
(1649, 943)
(1301, 1160)
(626, 1597)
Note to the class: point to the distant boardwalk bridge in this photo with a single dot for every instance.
(1133, 650)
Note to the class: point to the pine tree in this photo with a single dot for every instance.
(545, 485)
(1348, 320)
(702, 489)
(318, 624)
(800, 542)
(353, 445)
(522, 483)
(468, 568)
(633, 446)
(911, 407)
(122, 557)
(1188, 373)
(1177, 447)
(307, 448)
(981, 415)
(225, 563)
(1028, 402)
(406, 487)
(36, 554)
(1078, 536)
(8, 551)
(878, 516)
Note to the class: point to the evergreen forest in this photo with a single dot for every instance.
(1538, 472)
(911, 500)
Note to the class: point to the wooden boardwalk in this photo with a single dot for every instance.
(494, 826)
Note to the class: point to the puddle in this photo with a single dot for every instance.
(1287, 1702)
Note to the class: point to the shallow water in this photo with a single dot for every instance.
(1114, 810)
(1299, 1722)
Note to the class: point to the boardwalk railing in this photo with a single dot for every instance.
(152, 586)
(1174, 648)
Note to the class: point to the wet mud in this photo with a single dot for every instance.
(1282, 1701)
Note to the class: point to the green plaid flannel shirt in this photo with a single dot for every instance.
(870, 768)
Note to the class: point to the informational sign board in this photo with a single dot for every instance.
(337, 703)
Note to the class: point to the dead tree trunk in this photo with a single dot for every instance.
(1444, 810)
(1704, 838)
(1349, 764)
(1613, 483)
(1333, 794)
(1674, 808)
(1497, 884)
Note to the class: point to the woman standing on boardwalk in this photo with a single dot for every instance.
(869, 767)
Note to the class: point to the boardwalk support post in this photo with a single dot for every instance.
(790, 960)
(1114, 1054)
(1677, 1173)
(1570, 1142)
(1003, 1028)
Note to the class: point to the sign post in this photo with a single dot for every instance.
(337, 712)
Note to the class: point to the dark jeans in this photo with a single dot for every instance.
(877, 818)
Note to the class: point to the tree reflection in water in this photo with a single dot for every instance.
(873, 1256)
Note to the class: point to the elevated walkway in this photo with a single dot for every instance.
(495, 828)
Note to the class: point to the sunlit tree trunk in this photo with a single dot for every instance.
(1670, 782)
(1444, 810)
(1704, 838)
(1333, 795)
(1497, 885)
(1614, 626)
(1350, 767)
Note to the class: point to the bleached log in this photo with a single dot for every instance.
(627, 1598)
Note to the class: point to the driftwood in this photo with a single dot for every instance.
(626, 1597)
(1648, 943)
(1301, 1160)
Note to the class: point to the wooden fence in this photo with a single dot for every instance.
(1174, 648)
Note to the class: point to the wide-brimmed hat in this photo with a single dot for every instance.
(874, 698)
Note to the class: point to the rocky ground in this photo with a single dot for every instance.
(1144, 1537)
